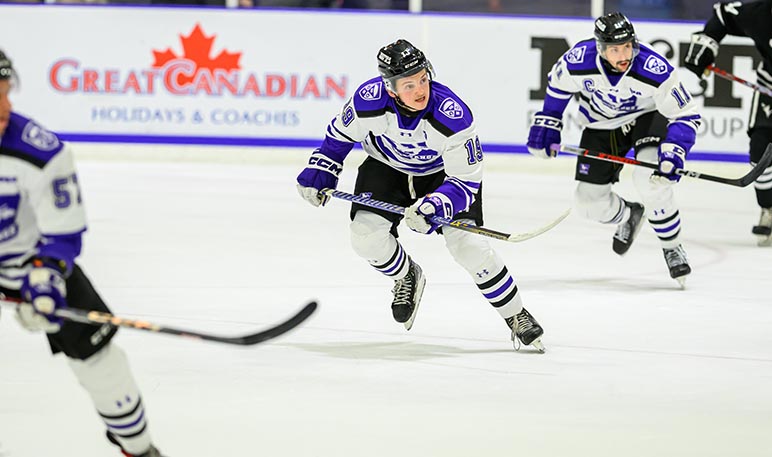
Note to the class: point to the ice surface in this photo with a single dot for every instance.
(634, 365)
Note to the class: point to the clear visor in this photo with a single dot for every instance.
(391, 83)
(602, 47)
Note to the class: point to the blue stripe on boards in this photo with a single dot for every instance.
(712, 156)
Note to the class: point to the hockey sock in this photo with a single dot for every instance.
(396, 266)
(487, 269)
(623, 214)
(107, 378)
(667, 226)
(501, 292)
(597, 202)
(372, 240)
(763, 188)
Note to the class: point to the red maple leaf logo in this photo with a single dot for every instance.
(196, 47)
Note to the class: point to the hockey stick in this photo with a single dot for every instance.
(100, 318)
(743, 181)
(726, 75)
(392, 208)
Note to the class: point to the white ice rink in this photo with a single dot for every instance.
(221, 242)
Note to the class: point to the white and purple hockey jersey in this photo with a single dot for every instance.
(40, 205)
(609, 100)
(441, 137)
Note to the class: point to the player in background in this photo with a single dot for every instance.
(752, 20)
(41, 223)
(424, 154)
(629, 97)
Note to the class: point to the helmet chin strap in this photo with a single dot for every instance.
(608, 65)
(403, 108)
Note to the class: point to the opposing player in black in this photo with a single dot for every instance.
(752, 20)
(41, 223)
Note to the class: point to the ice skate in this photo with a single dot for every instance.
(678, 264)
(407, 295)
(525, 330)
(764, 229)
(627, 231)
(152, 452)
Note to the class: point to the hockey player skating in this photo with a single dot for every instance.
(40, 237)
(424, 154)
(629, 97)
(753, 20)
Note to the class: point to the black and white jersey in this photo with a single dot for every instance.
(752, 20)
(40, 204)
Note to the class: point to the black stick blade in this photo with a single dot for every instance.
(758, 170)
(280, 329)
(253, 338)
(100, 318)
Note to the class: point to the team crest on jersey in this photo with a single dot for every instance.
(39, 138)
(576, 55)
(9, 204)
(451, 108)
(655, 65)
(371, 92)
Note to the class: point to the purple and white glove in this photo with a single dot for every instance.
(671, 158)
(322, 172)
(43, 291)
(417, 216)
(544, 131)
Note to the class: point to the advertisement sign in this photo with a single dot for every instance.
(273, 77)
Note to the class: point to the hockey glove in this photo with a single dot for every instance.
(44, 292)
(671, 158)
(545, 130)
(322, 172)
(436, 204)
(702, 52)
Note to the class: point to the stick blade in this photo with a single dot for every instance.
(527, 236)
(278, 330)
(758, 170)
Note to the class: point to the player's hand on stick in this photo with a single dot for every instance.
(671, 157)
(43, 291)
(702, 52)
(321, 172)
(417, 216)
(545, 131)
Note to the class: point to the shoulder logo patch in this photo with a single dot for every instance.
(371, 92)
(39, 138)
(576, 55)
(451, 109)
(655, 65)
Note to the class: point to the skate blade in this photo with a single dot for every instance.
(536, 344)
(764, 241)
(681, 281)
(419, 294)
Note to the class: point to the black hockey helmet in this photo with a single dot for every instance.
(6, 69)
(613, 29)
(400, 59)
